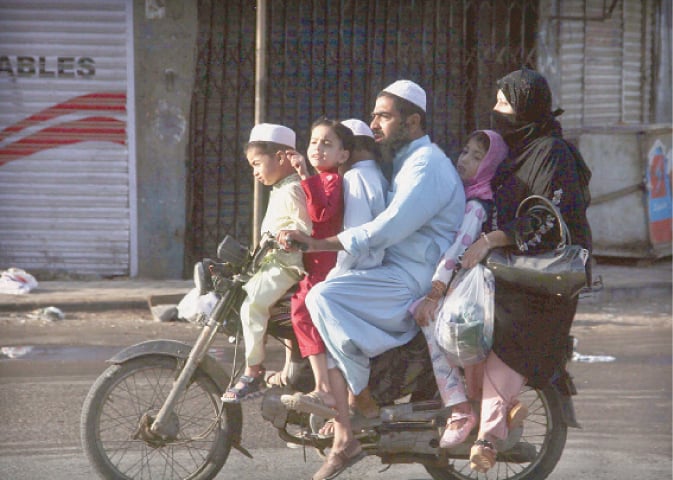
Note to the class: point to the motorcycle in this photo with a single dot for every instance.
(156, 411)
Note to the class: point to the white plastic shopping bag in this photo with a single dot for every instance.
(193, 305)
(16, 281)
(464, 326)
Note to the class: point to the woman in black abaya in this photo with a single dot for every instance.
(531, 331)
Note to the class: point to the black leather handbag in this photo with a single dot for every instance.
(560, 272)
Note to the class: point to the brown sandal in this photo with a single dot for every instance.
(339, 461)
(275, 379)
(309, 403)
(482, 456)
(516, 415)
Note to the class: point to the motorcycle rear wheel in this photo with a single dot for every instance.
(117, 401)
(544, 429)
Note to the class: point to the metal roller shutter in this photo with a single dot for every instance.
(66, 176)
(601, 56)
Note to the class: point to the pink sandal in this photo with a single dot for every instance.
(455, 436)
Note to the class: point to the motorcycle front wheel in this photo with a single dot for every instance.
(537, 452)
(121, 406)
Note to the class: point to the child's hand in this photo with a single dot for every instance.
(474, 254)
(298, 162)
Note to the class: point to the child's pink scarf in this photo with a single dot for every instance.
(480, 185)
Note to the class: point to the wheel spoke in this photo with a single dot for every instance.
(141, 391)
(543, 431)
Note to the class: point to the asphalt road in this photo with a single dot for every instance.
(624, 403)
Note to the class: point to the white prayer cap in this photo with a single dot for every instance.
(270, 132)
(358, 127)
(409, 91)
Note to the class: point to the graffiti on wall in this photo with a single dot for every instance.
(660, 201)
(89, 117)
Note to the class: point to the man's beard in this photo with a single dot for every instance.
(395, 142)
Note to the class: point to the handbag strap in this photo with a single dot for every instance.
(548, 207)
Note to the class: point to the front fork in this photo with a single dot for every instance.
(162, 423)
(198, 351)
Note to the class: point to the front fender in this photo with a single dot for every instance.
(209, 366)
(174, 348)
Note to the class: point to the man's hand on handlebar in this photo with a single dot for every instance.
(293, 240)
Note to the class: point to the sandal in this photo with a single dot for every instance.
(455, 435)
(250, 386)
(482, 456)
(358, 423)
(275, 379)
(516, 415)
(327, 430)
(308, 403)
(339, 461)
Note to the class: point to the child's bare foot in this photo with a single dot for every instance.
(327, 430)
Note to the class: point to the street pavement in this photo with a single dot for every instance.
(624, 403)
(621, 280)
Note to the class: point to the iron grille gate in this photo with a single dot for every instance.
(331, 58)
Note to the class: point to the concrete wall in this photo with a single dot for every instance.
(165, 56)
(630, 212)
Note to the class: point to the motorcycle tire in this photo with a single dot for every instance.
(112, 413)
(544, 429)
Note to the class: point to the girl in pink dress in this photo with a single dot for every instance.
(477, 163)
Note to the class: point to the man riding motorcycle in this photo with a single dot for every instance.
(362, 314)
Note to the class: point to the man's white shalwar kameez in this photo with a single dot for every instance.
(365, 190)
(363, 313)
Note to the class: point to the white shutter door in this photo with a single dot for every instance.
(572, 53)
(603, 60)
(65, 201)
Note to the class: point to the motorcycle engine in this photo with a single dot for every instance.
(272, 409)
(275, 412)
(411, 428)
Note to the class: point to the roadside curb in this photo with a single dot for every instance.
(76, 306)
(95, 296)
(620, 283)
(606, 294)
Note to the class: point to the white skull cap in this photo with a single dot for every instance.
(409, 91)
(270, 132)
(358, 127)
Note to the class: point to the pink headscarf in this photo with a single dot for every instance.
(479, 186)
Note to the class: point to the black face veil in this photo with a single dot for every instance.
(529, 94)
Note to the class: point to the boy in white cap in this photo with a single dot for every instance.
(365, 189)
(266, 152)
(364, 313)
